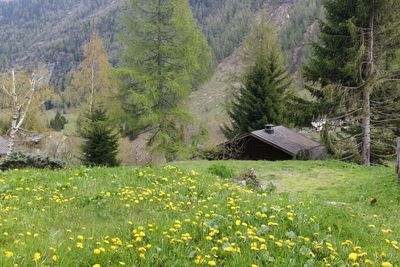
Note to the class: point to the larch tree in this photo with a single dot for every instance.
(91, 82)
(165, 57)
(347, 66)
(265, 84)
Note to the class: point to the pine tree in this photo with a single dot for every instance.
(165, 57)
(347, 68)
(101, 145)
(265, 85)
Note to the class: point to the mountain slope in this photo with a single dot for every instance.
(53, 32)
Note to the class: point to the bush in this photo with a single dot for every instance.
(58, 123)
(220, 170)
(19, 160)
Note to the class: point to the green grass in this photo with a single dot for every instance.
(168, 217)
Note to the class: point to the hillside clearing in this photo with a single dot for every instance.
(168, 217)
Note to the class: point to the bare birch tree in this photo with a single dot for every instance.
(19, 102)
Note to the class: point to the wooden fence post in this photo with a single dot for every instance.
(398, 159)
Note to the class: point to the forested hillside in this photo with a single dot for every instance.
(53, 32)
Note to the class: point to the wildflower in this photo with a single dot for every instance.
(37, 256)
(347, 242)
(8, 254)
(122, 263)
(212, 263)
(387, 264)
(352, 257)
(254, 265)
(368, 261)
(79, 245)
(96, 265)
(96, 251)
(54, 258)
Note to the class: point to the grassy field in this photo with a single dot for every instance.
(320, 215)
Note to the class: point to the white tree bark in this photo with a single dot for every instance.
(19, 108)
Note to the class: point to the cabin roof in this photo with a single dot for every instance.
(286, 139)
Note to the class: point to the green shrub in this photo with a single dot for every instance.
(59, 121)
(221, 170)
(19, 160)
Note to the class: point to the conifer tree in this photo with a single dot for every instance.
(347, 66)
(101, 145)
(58, 122)
(165, 57)
(265, 85)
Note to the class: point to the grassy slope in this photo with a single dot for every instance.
(102, 208)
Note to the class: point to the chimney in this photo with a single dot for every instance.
(269, 128)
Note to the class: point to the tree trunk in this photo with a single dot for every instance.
(366, 126)
(366, 120)
(11, 141)
(92, 90)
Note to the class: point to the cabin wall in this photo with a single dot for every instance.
(251, 148)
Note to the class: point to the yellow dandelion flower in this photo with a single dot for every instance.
(352, 257)
(212, 263)
(386, 264)
(8, 254)
(96, 265)
(96, 251)
(54, 258)
(37, 256)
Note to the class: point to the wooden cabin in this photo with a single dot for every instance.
(272, 143)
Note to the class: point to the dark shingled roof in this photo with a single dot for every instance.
(287, 140)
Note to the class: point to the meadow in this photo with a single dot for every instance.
(182, 215)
